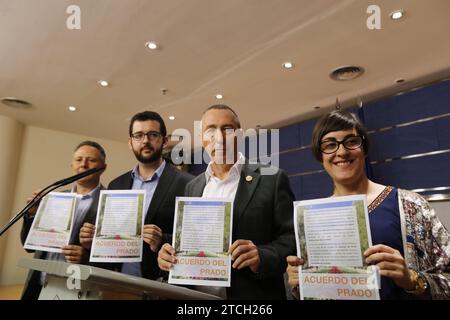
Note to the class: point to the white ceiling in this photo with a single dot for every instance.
(235, 47)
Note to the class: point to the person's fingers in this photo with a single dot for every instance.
(243, 256)
(246, 260)
(152, 227)
(86, 235)
(379, 248)
(385, 265)
(166, 257)
(72, 249)
(294, 261)
(381, 256)
(292, 269)
(72, 259)
(164, 265)
(152, 233)
(236, 244)
(168, 248)
(393, 274)
(240, 248)
(87, 226)
(251, 262)
(293, 281)
(152, 239)
(33, 195)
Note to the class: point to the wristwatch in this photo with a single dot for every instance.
(420, 283)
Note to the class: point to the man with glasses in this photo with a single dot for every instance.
(162, 184)
(263, 233)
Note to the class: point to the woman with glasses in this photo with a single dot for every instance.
(411, 247)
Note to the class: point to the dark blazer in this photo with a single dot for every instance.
(171, 184)
(263, 213)
(33, 287)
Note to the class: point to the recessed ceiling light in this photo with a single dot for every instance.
(219, 96)
(171, 118)
(400, 80)
(151, 45)
(72, 108)
(316, 107)
(288, 65)
(103, 83)
(15, 103)
(345, 73)
(397, 14)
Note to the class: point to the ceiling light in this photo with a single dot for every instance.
(171, 118)
(15, 103)
(219, 96)
(345, 73)
(72, 108)
(151, 45)
(288, 65)
(396, 15)
(400, 80)
(316, 107)
(103, 83)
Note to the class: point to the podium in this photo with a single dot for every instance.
(66, 281)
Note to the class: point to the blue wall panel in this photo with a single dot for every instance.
(423, 172)
(403, 141)
(443, 132)
(430, 101)
(289, 137)
(306, 129)
(311, 186)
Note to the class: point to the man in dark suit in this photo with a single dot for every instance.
(162, 184)
(263, 231)
(87, 155)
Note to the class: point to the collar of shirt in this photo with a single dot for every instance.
(235, 170)
(87, 195)
(158, 172)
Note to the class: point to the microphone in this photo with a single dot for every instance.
(76, 177)
(47, 190)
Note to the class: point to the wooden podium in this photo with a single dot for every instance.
(66, 281)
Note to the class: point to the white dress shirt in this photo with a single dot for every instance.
(216, 188)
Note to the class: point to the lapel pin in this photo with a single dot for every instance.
(248, 178)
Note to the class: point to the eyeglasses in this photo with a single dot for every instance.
(151, 135)
(349, 143)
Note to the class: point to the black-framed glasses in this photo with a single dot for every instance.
(151, 135)
(349, 143)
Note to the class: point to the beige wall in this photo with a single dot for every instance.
(44, 158)
(11, 133)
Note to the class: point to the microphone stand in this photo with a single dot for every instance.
(44, 192)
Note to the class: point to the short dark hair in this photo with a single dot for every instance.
(335, 121)
(146, 116)
(94, 145)
(224, 107)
